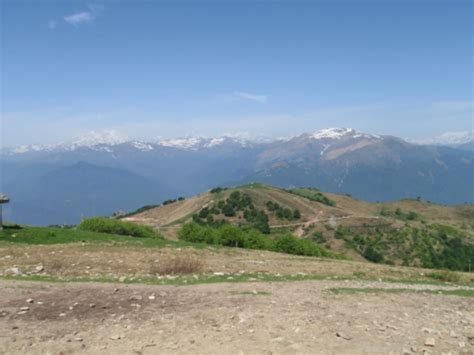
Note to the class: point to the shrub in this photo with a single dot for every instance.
(445, 276)
(228, 210)
(216, 190)
(113, 226)
(296, 214)
(140, 210)
(255, 240)
(292, 245)
(313, 195)
(230, 236)
(372, 255)
(195, 233)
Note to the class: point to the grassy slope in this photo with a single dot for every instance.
(92, 252)
(356, 217)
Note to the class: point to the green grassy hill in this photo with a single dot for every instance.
(407, 232)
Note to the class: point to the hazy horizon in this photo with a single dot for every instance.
(164, 69)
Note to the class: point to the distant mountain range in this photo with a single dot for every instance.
(101, 174)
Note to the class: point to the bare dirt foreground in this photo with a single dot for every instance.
(232, 318)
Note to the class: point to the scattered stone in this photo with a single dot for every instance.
(92, 305)
(115, 337)
(24, 308)
(62, 314)
(430, 342)
(30, 300)
(452, 334)
(122, 279)
(219, 273)
(13, 271)
(135, 298)
(152, 297)
(22, 312)
(116, 290)
(78, 339)
(343, 336)
(39, 268)
(462, 344)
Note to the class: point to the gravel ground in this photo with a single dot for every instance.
(240, 318)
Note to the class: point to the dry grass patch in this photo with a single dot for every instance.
(179, 265)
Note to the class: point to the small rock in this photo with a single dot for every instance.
(122, 279)
(24, 308)
(219, 273)
(29, 300)
(452, 334)
(430, 342)
(343, 336)
(135, 298)
(462, 344)
(22, 312)
(13, 271)
(152, 297)
(62, 314)
(39, 268)
(116, 290)
(115, 337)
(78, 339)
(92, 305)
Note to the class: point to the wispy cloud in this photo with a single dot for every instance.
(79, 18)
(252, 97)
(83, 17)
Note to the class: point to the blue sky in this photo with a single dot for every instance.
(172, 68)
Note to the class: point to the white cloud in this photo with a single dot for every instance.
(79, 18)
(52, 24)
(252, 97)
(84, 16)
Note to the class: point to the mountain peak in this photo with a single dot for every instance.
(338, 133)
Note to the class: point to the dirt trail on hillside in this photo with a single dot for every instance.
(246, 318)
(320, 220)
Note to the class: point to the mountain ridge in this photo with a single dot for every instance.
(340, 160)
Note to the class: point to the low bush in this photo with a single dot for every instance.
(292, 245)
(232, 236)
(113, 226)
(445, 276)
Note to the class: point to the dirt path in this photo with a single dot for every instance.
(318, 220)
(247, 318)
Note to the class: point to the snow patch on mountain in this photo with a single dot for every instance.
(94, 138)
(449, 138)
(184, 143)
(339, 133)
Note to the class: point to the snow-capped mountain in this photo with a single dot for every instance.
(340, 133)
(452, 139)
(107, 140)
(102, 172)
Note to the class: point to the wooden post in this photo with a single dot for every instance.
(3, 199)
